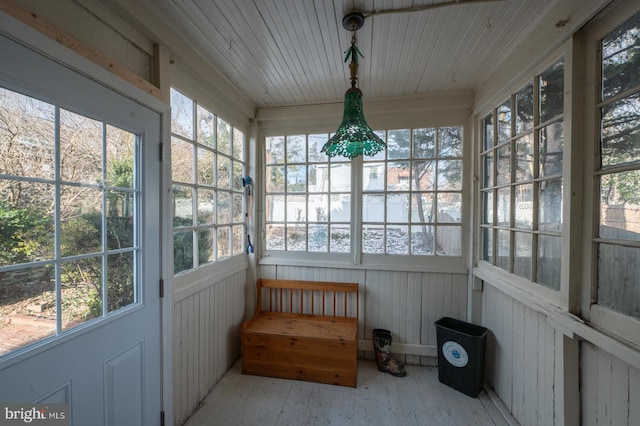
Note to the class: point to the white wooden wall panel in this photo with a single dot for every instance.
(520, 364)
(206, 339)
(610, 388)
(407, 303)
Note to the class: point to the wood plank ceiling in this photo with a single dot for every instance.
(290, 52)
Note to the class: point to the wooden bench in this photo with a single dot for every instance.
(304, 330)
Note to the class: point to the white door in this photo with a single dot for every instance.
(86, 161)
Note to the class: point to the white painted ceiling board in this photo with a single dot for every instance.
(291, 52)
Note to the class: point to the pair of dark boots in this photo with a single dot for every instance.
(382, 348)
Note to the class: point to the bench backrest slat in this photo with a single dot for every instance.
(281, 295)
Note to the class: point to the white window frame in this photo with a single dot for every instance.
(613, 322)
(355, 258)
(484, 270)
(233, 262)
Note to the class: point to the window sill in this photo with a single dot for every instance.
(190, 282)
(372, 262)
(561, 320)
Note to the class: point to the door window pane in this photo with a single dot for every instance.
(82, 298)
(120, 277)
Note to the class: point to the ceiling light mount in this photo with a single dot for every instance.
(353, 21)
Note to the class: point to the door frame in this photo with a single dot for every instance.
(29, 37)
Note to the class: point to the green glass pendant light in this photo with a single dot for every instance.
(354, 137)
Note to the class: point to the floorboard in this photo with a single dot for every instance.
(380, 399)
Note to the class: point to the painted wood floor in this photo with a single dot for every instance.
(380, 399)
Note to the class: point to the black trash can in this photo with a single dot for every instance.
(461, 353)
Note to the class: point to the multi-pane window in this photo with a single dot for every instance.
(412, 193)
(618, 172)
(207, 167)
(410, 198)
(307, 197)
(521, 184)
(69, 203)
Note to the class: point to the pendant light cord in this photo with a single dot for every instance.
(353, 52)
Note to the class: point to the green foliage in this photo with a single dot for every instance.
(21, 234)
(80, 236)
(182, 251)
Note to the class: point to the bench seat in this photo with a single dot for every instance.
(317, 348)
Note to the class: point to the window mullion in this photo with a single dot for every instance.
(105, 256)
(356, 209)
(57, 222)
(493, 185)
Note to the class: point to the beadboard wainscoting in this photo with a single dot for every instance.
(520, 357)
(206, 338)
(545, 373)
(610, 388)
